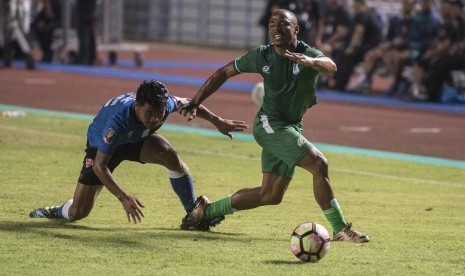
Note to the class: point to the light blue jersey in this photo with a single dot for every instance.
(116, 123)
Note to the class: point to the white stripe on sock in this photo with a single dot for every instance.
(65, 209)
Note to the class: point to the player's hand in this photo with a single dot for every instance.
(132, 205)
(187, 109)
(299, 58)
(228, 126)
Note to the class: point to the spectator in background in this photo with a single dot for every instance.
(85, 16)
(366, 34)
(396, 41)
(433, 69)
(15, 25)
(46, 20)
(423, 29)
(3, 17)
(314, 23)
(334, 35)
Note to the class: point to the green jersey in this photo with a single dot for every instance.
(289, 87)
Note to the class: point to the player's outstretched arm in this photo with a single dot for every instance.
(210, 86)
(323, 65)
(131, 204)
(224, 126)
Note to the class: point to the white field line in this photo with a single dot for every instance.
(433, 130)
(42, 132)
(400, 178)
(336, 169)
(355, 129)
(242, 156)
(39, 81)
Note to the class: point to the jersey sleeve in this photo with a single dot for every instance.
(314, 53)
(171, 104)
(248, 62)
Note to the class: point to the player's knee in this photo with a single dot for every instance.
(172, 161)
(321, 165)
(175, 164)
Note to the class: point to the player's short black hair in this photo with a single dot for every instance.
(152, 92)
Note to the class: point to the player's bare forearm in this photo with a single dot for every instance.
(105, 176)
(130, 203)
(214, 82)
(211, 85)
(206, 114)
(323, 65)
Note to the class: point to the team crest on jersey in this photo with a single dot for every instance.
(109, 136)
(300, 141)
(295, 69)
(129, 134)
(266, 69)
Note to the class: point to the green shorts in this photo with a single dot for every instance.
(282, 144)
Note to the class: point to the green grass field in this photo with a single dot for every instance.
(413, 213)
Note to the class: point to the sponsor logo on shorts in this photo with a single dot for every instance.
(109, 136)
(300, 141)
(89, 162)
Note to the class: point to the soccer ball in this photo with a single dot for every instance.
(310, 242)
(257, 94)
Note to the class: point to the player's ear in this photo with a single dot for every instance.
(296, 29)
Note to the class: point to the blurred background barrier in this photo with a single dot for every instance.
(219, 23)
(200, 22)
(126, 25)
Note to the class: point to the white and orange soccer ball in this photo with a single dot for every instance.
(310, 242)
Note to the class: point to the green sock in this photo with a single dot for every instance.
(219, 208)
(335, 217)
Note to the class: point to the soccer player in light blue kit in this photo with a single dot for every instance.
(290, 70)
(125, 129)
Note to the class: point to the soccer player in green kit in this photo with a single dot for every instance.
(290, 71)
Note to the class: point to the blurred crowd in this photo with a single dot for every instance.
(26, 22)
(421, 47)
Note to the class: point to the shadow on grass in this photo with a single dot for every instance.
(283, 262)
(49, 227)
(26, 225)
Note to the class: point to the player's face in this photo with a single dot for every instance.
(149, 115)
(282, 28)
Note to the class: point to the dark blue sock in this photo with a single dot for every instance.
(184, 188)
